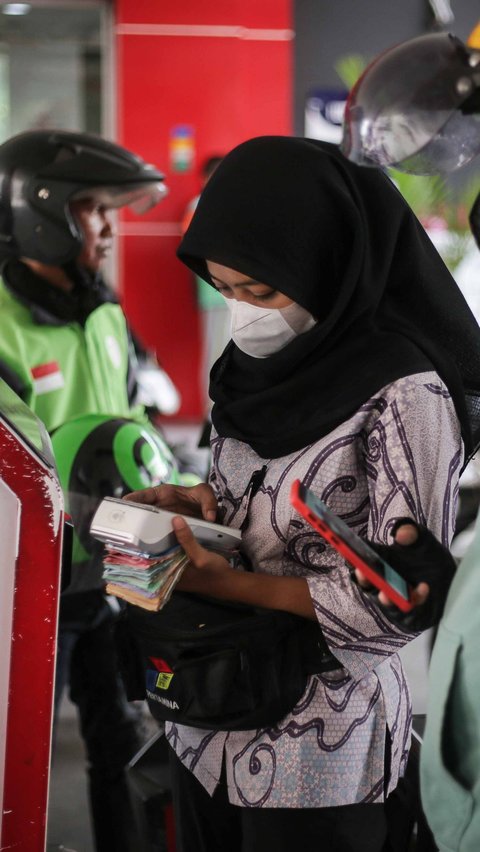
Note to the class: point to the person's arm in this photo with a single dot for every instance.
(407, 475)
(415, 541)
(211, 574)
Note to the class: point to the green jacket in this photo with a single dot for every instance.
(450, 755)
(67, 370)
(64, 370)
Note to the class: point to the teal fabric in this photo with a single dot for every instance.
(450, 759)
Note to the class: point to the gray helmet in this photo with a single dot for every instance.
(416, 107)
(42, 171)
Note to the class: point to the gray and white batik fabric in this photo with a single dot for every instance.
(398, 455)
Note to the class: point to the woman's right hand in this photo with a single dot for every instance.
(199, 501)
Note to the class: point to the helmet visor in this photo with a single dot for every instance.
(416, 107)
(139, 197)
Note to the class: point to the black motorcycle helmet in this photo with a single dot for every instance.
(416, 107)
(42, 171)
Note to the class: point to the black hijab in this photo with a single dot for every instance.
(340, 240)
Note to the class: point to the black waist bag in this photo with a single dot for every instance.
(223, 666)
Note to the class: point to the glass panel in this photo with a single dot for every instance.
(51, 68)
(25, 423)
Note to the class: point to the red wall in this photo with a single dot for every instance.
(225, 69)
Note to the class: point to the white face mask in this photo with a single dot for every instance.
(260, 332)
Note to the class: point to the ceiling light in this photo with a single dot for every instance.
(16, 8)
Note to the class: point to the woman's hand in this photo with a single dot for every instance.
(425, 564)
(205, 569)
(405, 535)
(199, 501)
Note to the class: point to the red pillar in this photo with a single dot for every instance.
(31, 525)
(223, 70)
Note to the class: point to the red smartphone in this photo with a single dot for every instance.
(356, 551)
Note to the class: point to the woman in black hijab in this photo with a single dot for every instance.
(354, 366)
(341, 241)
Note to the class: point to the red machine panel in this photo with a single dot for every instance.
(31, 524)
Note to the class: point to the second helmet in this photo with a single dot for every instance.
(42, 171)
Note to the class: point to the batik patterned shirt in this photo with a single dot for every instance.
(398, 455)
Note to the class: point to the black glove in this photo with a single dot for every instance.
(424, 561)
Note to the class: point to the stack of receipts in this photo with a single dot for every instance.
(145, 581)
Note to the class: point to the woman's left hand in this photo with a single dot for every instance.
(205, 568)
(405, 535)
(425, 564)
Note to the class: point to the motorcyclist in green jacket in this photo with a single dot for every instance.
(65, 349)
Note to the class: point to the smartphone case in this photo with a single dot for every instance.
(362, 557)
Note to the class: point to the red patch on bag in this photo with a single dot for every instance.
(161, 665)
